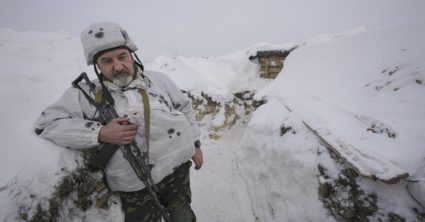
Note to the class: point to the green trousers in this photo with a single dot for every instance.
(174, 194)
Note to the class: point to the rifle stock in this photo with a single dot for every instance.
(106, 151)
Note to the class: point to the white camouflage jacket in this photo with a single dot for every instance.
(69, 123)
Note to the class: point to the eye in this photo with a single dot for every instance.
(106, 61)
(122, 57)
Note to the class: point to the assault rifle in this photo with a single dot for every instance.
(104, 104)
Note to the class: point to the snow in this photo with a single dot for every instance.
(216, 195)
(279, 168)
(347, 86)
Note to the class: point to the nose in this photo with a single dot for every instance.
(118, 66)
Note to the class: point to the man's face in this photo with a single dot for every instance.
(117, 66)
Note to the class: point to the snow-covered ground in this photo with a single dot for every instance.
(362, 91)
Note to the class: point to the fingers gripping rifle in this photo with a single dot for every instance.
(104, 104)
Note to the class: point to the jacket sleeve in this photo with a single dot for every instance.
(181, 102)
(66, 123)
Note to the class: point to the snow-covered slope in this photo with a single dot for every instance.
(364, 88)
(367, 91)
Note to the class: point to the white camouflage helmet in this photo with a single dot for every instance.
(102, 36)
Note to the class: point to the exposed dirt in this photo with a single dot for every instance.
(347, 201)
(83, 187)
(235, 109)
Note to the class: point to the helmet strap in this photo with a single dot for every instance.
(138, 62)
(99, 75)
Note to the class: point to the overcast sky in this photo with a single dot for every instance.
(207, 27)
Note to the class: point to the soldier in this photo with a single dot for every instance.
(73, 122)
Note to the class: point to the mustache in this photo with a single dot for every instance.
(117, 74)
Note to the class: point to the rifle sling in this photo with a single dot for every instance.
(146, 113)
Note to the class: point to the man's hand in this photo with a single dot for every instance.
(116, 133)
(198, 159)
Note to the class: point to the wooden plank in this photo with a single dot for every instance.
(274, 70)
(276, 65)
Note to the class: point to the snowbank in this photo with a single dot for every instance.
(365, 89)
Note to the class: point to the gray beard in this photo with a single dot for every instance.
(123, 82)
